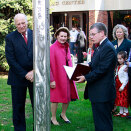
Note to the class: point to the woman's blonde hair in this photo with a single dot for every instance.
(125, 31)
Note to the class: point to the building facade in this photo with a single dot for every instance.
(83, 13)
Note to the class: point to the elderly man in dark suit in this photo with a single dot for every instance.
(19, 55)
(100, 80)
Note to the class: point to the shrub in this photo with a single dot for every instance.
(8, 9)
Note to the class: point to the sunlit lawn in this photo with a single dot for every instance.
(79, 113)
(6, 108)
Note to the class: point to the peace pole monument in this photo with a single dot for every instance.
(41, 65)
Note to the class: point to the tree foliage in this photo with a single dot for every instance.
(8, 9)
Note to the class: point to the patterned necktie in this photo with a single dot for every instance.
(97, 45)
(25, 37)
(96, 48)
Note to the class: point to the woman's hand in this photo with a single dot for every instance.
(52, 84)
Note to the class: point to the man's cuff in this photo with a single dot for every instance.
(129, 64)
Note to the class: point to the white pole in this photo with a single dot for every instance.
(41, 65)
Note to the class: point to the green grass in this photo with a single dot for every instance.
(79, 113)
(6, 108)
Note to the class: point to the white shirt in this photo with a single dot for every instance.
(73, 35)
(103, 40)
(25, 35)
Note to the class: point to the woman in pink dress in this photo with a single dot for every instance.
(62, 90)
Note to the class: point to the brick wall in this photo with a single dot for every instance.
(98, 16)
(101, 16)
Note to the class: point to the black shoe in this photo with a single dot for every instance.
(52, 122)
(128, 117)
(68, 122)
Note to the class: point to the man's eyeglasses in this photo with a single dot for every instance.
(93, 34)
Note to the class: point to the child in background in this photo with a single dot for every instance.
(122, 85)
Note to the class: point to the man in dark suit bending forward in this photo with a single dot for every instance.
(19, 55)
(100, 80)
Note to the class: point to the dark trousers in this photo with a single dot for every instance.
(80, 55)
(18, 103)
(129, 91)
(102, 115)
(72, 47)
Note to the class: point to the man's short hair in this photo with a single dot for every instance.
(100, 27)
(21, 14)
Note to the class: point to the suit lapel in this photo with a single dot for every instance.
(98, 49)
(21, 40)
(29, 38)
(102, 44)
(95, 52)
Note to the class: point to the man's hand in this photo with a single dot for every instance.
(121, 89)
(81, 79)
(127, 63)
(30, 76)
(52, 84)
(126, 69)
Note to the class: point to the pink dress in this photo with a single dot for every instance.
(65, 89)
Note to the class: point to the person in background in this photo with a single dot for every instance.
(122, 85)
(129, 36)
(80, 45)
(90, 50)
(128, 63)
(62, 90)
(121, 41)
(73, 37)
(19, 55)
(100, 80)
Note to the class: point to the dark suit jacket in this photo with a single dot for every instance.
(19, 57)
(125, 45)
(101, 83)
